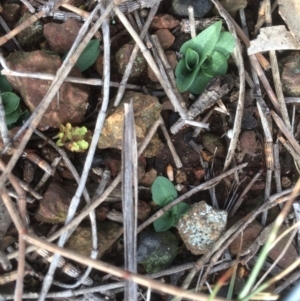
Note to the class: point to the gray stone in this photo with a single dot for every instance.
(201, 7)
(201, 227)
(156, 251)
(122, 59)
(32, 35)
(81, 240)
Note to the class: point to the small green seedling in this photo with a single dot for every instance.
(11, 104)
(88, 56)
(204, 58)
(163, 193)
(75, 139)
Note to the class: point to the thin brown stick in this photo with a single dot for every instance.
(69, 79)
(7, 29)
(118, 272)
(133, 55)
(155, 41)
(175, 156)
(237, 56)
(240, 200)
(261, 19)
(265, 82)
(277, 168)
(286, 132)
(275, 72)
(151, 63)
(22, 26)
(289, 148)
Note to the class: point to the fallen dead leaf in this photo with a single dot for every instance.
(273, 38)
(290, 13)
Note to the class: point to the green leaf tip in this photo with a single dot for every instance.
(89, 55)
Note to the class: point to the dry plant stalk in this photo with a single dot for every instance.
(118, 272)
(133, 55)
(130, 198)
(275, 72)
(151, 63)
(238, 58)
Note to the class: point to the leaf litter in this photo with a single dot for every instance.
(222, 184)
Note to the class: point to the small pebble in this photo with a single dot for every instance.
(201, 7)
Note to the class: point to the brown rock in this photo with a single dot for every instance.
(32, 35)
(291, 254)
(149, 177)
(144, 211)
(171, 57)
(201, 227)
(11, 11)
(54, 206)
(122, 59)
(249, 236)
(81, 240)
(61, 37)
(165, 38)
(99, 65)
(73, 98)
(180, 177)
(247, 145)
(146, 112)
(161, 21)
(199, 173)
(153, 148)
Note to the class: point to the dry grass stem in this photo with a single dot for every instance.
(286, 132)
(69, 79)
(151, 63)
(118, 272)
(276, 73)
(289, 148)
(240, 200)
(133, 55)
(174, 154)
(192, 21)
(168, 68)
(7, 29)
(22, 26)
(3, 127)
(277, 168)
(130, 198)
(262, 18)
(238, 58)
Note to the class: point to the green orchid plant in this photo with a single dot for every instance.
(204, 58)
(163, 193)
(14, 115)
